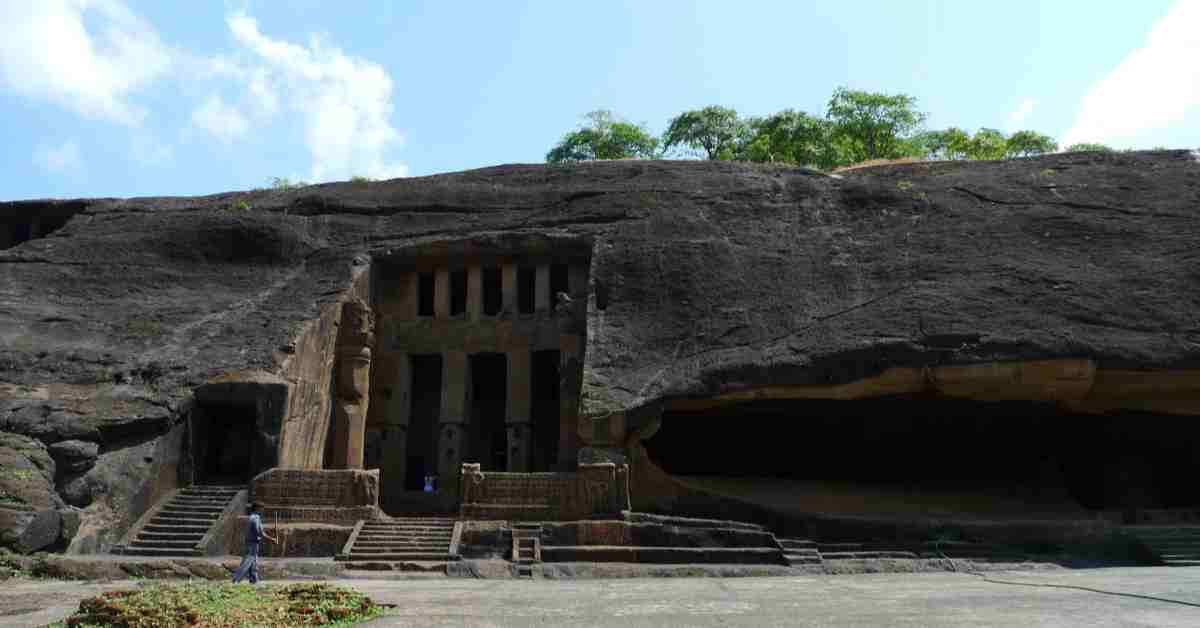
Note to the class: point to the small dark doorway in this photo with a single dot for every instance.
(421, 457)
(223, 444)
(546, 429)
(489, 407)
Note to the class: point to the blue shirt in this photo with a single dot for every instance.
(254, 531)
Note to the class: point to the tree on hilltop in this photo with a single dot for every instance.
(868, 125)
(714, 130)
(604, 137)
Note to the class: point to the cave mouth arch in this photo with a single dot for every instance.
(926, 454)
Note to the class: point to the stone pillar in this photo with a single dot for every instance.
(570, 369)
(508, 289)
(441, 293)
(452, 425)
(474, 292)
(542, 287)
(393, 463)
(409, 287)
(356, 335)
(519, 412)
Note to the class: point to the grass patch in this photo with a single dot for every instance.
(224, 605)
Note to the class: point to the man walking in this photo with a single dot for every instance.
(254, 536)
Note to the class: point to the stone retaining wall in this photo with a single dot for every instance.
(596, 490)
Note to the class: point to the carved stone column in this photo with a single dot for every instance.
(452, 437)
(356, 335)
(519, 411)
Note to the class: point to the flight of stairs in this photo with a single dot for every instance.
(403, 539)
(179, 524)
(1174, 545)
(800, 552)
(526, 547)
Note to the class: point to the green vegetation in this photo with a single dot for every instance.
(284, 183)
(1087, 148)
(361, 179)
(715, 131)
(604, 137)
(858, 126)
(204, 604)
(11, 566)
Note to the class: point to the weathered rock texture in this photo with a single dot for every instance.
(706, 279)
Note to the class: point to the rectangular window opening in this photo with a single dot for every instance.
(458, 292)
(526, 289)
(493, 291)
(558, 283)
(425, 294)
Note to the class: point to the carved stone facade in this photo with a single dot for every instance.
(470, 366)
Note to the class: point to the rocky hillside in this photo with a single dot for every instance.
(706, 277)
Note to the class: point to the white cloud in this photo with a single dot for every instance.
(62, 159)
(221, 120)
(1154, 86)
(344, 102)
(50, 52)
(1021, 114)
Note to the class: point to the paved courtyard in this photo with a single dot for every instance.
(934, 599)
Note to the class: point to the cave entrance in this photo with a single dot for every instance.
(927, 455)
(224, 443)
(489, 407)
(545, 387)
(421, 455)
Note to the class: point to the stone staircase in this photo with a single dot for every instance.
(526, 548)
(178, 526)
(1174, 545)
(800, 552)
(402, 539)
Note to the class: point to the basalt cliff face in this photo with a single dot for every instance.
(707, 279)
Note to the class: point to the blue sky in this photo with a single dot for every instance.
(128, 98)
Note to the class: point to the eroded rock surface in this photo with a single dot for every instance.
(706, 277)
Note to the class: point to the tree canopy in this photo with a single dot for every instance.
(604, 137)
(857, 126)
(714, 130)
(867, 125)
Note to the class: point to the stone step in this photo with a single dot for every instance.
(406, 528)
(403, 537)
(155, 551)
(167, 536)
(662, 555)
(357, 556)
(803, 559)
(405, 541)
(175, 529)
(180, 521)
(797, 543)
(199, 501)
(866, 555)
(200, 510)
(160, 543)
(373, 546)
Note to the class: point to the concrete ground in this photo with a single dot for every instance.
(928, 599)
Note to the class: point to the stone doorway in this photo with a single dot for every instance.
(421, 454)
(223, 440)
(545, 386)
(488, 410)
